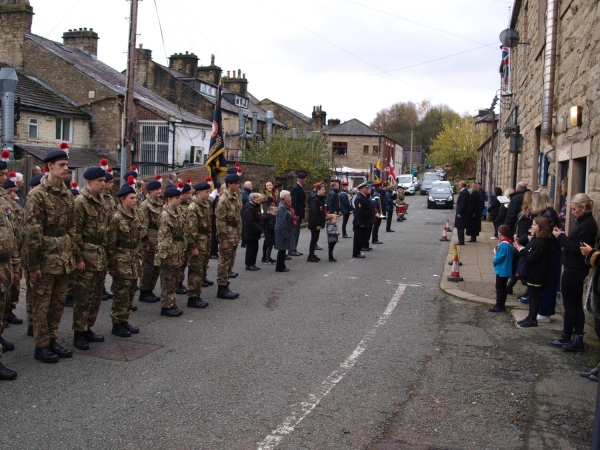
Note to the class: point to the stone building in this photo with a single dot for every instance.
(552, 98)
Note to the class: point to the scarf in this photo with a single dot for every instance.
(503, 240)
(294, 216)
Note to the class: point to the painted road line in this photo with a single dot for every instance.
(305, 408)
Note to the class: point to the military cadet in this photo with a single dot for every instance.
(379, 207)
(111, 204)
(169, 252)
(390, 197)
(363, 214)
(369, 225)
(123, 254)
(198, 230)
(150, 211)
(214, 243)
(49, 234)
(33, 184)
(346, 207)
(91, 222)
(229, 229)
(17, 214)
(186, 195)
(334, 204)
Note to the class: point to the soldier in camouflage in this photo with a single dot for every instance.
(400, 201)
(18, 214)
(229, 229)
(123, 252)
(91, 221)
(49, 234)
(111, 204)
(33, 184)
(170, 249)
(198, 231)
(150, 211)
(186, 195)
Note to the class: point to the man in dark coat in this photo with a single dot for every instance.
(379, 205)
(299, 204)
(460, 220)
(514, 207)
(245, 199)
(363, 215)
(316, 220)
(474, 211)
(333, 202)
(346, 207)
(252, 230)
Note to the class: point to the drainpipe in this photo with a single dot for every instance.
(8, 85)
(269, 119)
(242, 125)
(254, 123)
(546, 146)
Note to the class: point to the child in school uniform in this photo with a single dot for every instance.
(502, 267)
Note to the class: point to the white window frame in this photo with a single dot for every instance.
(61, 138)
(241, 102)
(30, 123)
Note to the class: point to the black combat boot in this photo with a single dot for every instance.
(562, 340)
(231, 292)
(108, 295)
(196, 302)
(120, 331)
(130, 328)
(12, 319)
(90, 336)
(7, 346)
(45, 355)
(173, 311)
(312, 258)
(225, 293)
(69, 301)
(181, 289)
(6, 373)
(79, 340)
(233, 275)
(147, 297)
(30, 330)
(60, 351)
(576, 345)
(207, 282)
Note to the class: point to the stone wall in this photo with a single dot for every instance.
(355, 158)
(283, 115)
(47, 130)
(15, 22)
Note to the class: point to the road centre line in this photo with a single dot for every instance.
(305, 408)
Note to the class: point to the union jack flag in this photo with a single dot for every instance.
(505, 65)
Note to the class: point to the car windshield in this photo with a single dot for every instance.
(440, 190)
(431, 176)
(405, 179)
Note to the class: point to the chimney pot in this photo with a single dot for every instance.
(141, 45)
(186, 52)
(228, 74)
(239, 73)
(212, 60)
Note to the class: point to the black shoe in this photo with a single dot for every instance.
(509, 290)
(495, 309)
(104, 298)
(390, 231)
(173, 311)
(181, 289)
(214, 256)
(14, 319)
(45, 355)
(593, 371)
(90, 336)
(366, 249)
(318, 248)
(272, 261)
(79, 340)
(346, 236)
(562, 340)
(472, 240)
(6, 373)
(287, 258)
(30, 330)
(359, 256)
(233, 275)
(459, 243)
(576, 345)
(295, 254)
(196, 302)
(231, 292)
(109, 295)
(529, 323)
(60, 351)
(312, 258)
(6, 345)
(69, 301)
(263, 260)
(133, 308)
(377, 242)
(208, 282)
(120, 331)
(282, 270)
(147, 297)
(332, 260)
(225, 293)
(130, 328)
(252, 268)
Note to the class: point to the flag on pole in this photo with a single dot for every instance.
(216, 162)
(505, 64)
(392, 176)
(377, 172)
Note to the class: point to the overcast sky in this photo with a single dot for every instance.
(353, 57)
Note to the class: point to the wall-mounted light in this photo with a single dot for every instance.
(576, 119)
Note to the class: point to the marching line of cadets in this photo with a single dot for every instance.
(65, 241)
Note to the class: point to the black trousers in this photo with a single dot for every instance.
(460, 234)
(267, 249)
(251, 252)
(344, 223)
(495, 226)
(367, 237)
(244, 242)
(388, 217)
(501, 291)
(359, 237)
(314, 238)
(297, 234)
(280, 264)
(375, 233)
(331, 247)
(572, 294)
(534, 301)
(214, 244)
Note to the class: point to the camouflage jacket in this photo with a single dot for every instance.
(50, 229)
(198, 227)
(111, 204)
(91, 222)
(400, 195)
(123, 244)
(9, 252)
(150, 210)
(18, 216)
(229, 219)
(171, 240)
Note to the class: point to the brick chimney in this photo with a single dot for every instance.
(319, 118)
(237, 84)
(143, 56)
(15, 22)
(212, 73)
(82, 39)
(185, 63)
(333, 122)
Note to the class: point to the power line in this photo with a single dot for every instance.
(64, 17)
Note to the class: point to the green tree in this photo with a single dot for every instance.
(397, 121)
(431, 122)
(468, 138)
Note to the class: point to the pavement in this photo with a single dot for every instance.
(356, 354)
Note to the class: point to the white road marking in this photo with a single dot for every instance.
(305, 408)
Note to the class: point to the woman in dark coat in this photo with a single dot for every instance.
(252, 230)
(316, 220)
(285, 239)
(474, 210)
(268, 199)
(494, 210)
(521, 237)
(269, 219)
(592, 301)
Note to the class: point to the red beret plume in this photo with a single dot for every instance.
(12, 177)
(104, 164)
(180, 184)
(45, 169)
(109, 170)
(189, 180)
(237, 164)
(74, 185)
(239, 170)
(208, 180)
(134, 168)
(130, 180)
(64, 146)
(5, 155)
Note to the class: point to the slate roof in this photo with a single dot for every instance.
(114, 80)
(78, 157)
(298, 114)
(353, 127)
(36, 96)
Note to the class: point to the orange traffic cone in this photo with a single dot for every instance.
(444, 235)
(455, 274)
(448, 225)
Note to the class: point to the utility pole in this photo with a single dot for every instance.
(129, 121)
(412, 137)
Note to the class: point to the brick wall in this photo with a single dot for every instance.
(355, 158)
(15, 22)
(283, 115)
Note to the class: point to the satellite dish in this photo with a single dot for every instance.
(510, 38)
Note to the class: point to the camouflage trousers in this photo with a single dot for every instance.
(5, 311)
(226, 261)
(3, 302)
(149, 272)
(183, 267)
(197, 269)
(28, 302)
(48, 297)
(71, 290)
(123, 291)
(15, 291)
(87, 298)
(169, 280)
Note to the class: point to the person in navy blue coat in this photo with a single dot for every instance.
(345, 206)
(333, 201)
(299, 204)
(462, 204)
(390, 196)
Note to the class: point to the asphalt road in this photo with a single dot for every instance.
(329, 355)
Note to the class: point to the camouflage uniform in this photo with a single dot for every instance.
(183, 211)
(91, 221)
(49, 234)
(9, 260)
(198, 230)
(400, 200)
(169, 255)
(110, 203)
(123, 252)
(150, 211)
(8, 205)
(229, 231)
(18, 214)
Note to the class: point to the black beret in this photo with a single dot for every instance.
(202, 186)
(217, 185)
(9, 184)
(93, 173)
(232, 178)
(75, 191)
(232, 170)
(302, 176)
(171, 192)
(186, 188)
(3, 165)
(153, 185)
(109, 176)
(130, 173)
(56, 155)
(125, 190)
(36, 180)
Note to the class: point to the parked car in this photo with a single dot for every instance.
(406, 181)
(428, 179)
(417, 184)
(440, 197)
